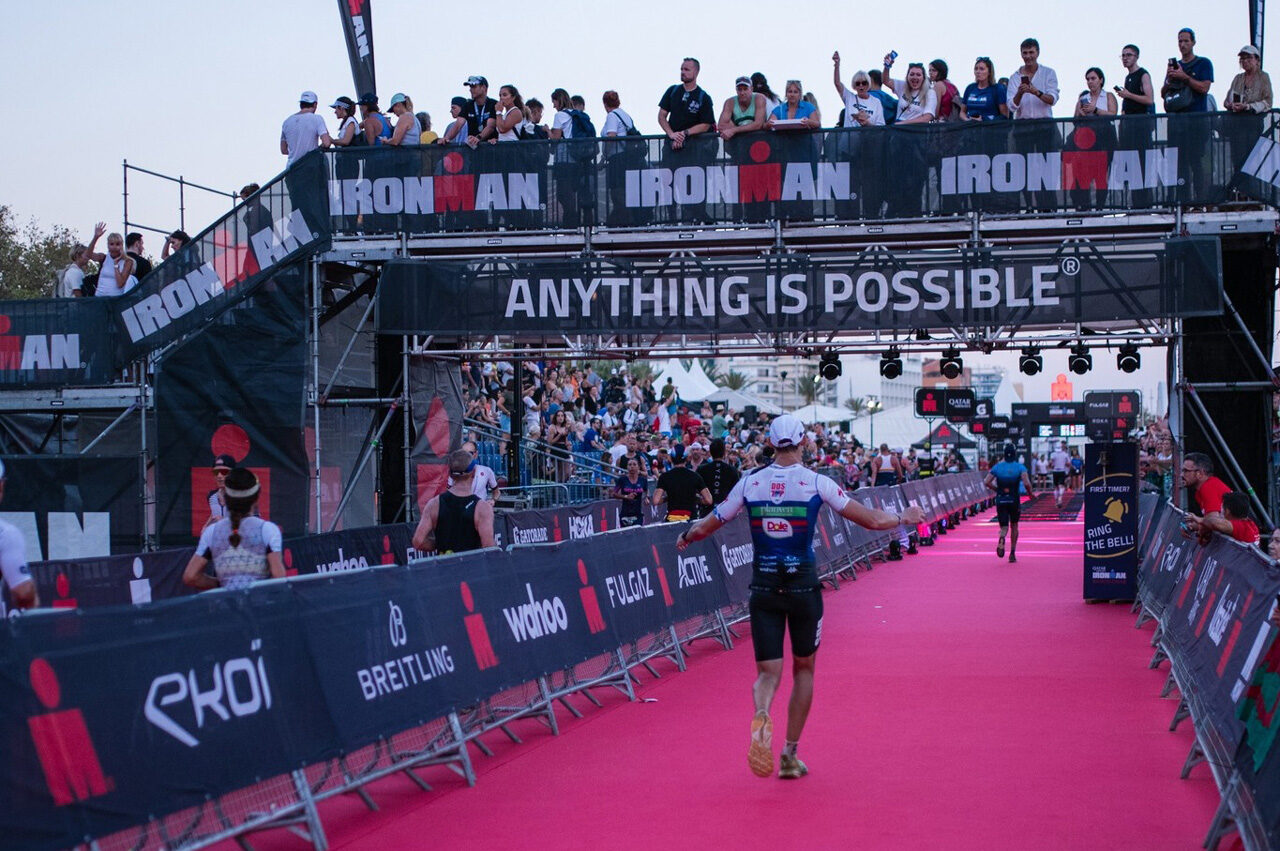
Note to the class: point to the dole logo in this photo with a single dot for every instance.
(67, 757)
(777, 527)
(37, 351)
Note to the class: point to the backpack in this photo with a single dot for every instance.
(581, 148)
(631, 131)
(582, 126)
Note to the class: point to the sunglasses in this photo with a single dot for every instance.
(861, 83)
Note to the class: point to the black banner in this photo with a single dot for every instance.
(56, 342)
(877, 290)
(1112, 414)
(1110, 521)
(74, 507)
(357, 31)
(1258, 758)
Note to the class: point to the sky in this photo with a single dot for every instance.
(200, 89)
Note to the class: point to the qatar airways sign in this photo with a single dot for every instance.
(1044, 286)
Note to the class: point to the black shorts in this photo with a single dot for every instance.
(773, 613)
(1059, 478)
(1007, 514)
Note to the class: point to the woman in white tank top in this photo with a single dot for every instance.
(511, 114)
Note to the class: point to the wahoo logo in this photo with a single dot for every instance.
(735, 557)
(236, 688)
(693, 571)
(978, 174)
(581, 527)
(342, 564)
(776, 527)
(536, 618)
(1263, 162)
(156, 311)
(536, 535)
(37, 351)
(452, 192)
(754, 182)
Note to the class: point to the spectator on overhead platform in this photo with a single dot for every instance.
(407, 132)
(377, 129)
(344, 109)
(860, 108)
(428, 136)
(685, 109)
(71, 279)
(116, 275)
(1233, 521)
(1194, 72)
(1095, 101)
(134, 248)
(174, 242)
(795, 108)
(512, 118)
(1033, 88)
(1250, 90)
(888, 102)
(481, 112)
(537, 129)
(1137, 93)
(617, 122)
(917, 101)
(984, 99)
(456, 131)
(761, 86)
(948, 94)
(304, 131)
(745, 112)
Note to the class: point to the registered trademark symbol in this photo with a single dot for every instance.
(1070, 266)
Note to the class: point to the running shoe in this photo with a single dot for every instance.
(1012, 558)
(760, 754)
(790, 767)
(1000, 548)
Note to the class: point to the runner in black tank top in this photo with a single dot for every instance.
(457, 520)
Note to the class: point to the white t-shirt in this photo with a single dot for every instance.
(1045, 79)
(1060, 461)
(483, 483)
(301, 133)
(617, 451)
(563, 122)
(868, 103)
(72, 279)
(918, 104)
(107, 285)
(617, 122)
(13, 556)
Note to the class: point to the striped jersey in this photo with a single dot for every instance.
(782, 503)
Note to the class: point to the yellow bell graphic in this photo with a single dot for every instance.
(1116, 509)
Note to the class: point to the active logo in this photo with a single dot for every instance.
(477, 632)
(70, 763)
(236, 688)
(693, 570)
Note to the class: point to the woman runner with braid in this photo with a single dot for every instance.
(243, 547)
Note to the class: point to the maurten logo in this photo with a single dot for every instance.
(67, 756)
(477, 632)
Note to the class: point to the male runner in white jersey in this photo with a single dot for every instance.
(13, 563)
(782, 500)
(1059, 465)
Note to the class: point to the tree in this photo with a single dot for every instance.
(734, 380)
(31, 257)
(856, 405)
(640, 370)
(808, 387)
(712, 369)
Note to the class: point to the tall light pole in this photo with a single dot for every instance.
(783, 373)
(874, 406)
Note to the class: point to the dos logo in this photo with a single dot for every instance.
(776, 527)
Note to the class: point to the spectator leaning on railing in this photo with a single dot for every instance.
(984, 99)
(481, 111)
(304, 131)
(1234, 520)
(71, 279)
(1250, 89)
(745, 112)
(685, 109)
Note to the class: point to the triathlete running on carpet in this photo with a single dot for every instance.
(243, 548)
(782, 501)
(1004, 478)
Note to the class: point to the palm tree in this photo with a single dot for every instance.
(640, 370)
(808, 387)
(712, 369)
(734, 380)
(856, 405)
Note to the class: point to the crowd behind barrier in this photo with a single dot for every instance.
(1213, 605)
(144, 577)
(322, 683)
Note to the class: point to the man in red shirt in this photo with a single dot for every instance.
(1234, 520)
(1197, 472)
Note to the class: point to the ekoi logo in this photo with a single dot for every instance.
(590, 602)
(477, 632)
(67, 756)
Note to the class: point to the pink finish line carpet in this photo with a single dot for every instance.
(961, 702)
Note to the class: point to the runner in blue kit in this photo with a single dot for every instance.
(1004, 478)
(782, 501)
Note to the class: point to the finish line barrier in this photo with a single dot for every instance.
(1213, 605)
(188, 721)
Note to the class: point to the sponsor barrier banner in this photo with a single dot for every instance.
(1110, 521)
(873, 290)
(74, 507)
(1258, 759)
(56, 342)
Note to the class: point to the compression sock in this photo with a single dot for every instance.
(790, 748)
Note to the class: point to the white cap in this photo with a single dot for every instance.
(308, 97)
(786, 430)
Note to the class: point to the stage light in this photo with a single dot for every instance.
(951, 365)
(829, 366)
(1128, 360)
(1030, 363)
(1080, 361)
(891, 364)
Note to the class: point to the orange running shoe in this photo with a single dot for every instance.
(760, 754)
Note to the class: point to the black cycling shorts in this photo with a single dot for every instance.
(1059, 478)
(1007, 514)
(772, 613)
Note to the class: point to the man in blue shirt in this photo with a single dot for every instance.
(1004, 479)
(1195, 72)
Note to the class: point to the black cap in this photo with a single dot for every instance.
(1010, 452)
(677, 453)
(459, 102)
(368, 99)
(224, 462)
